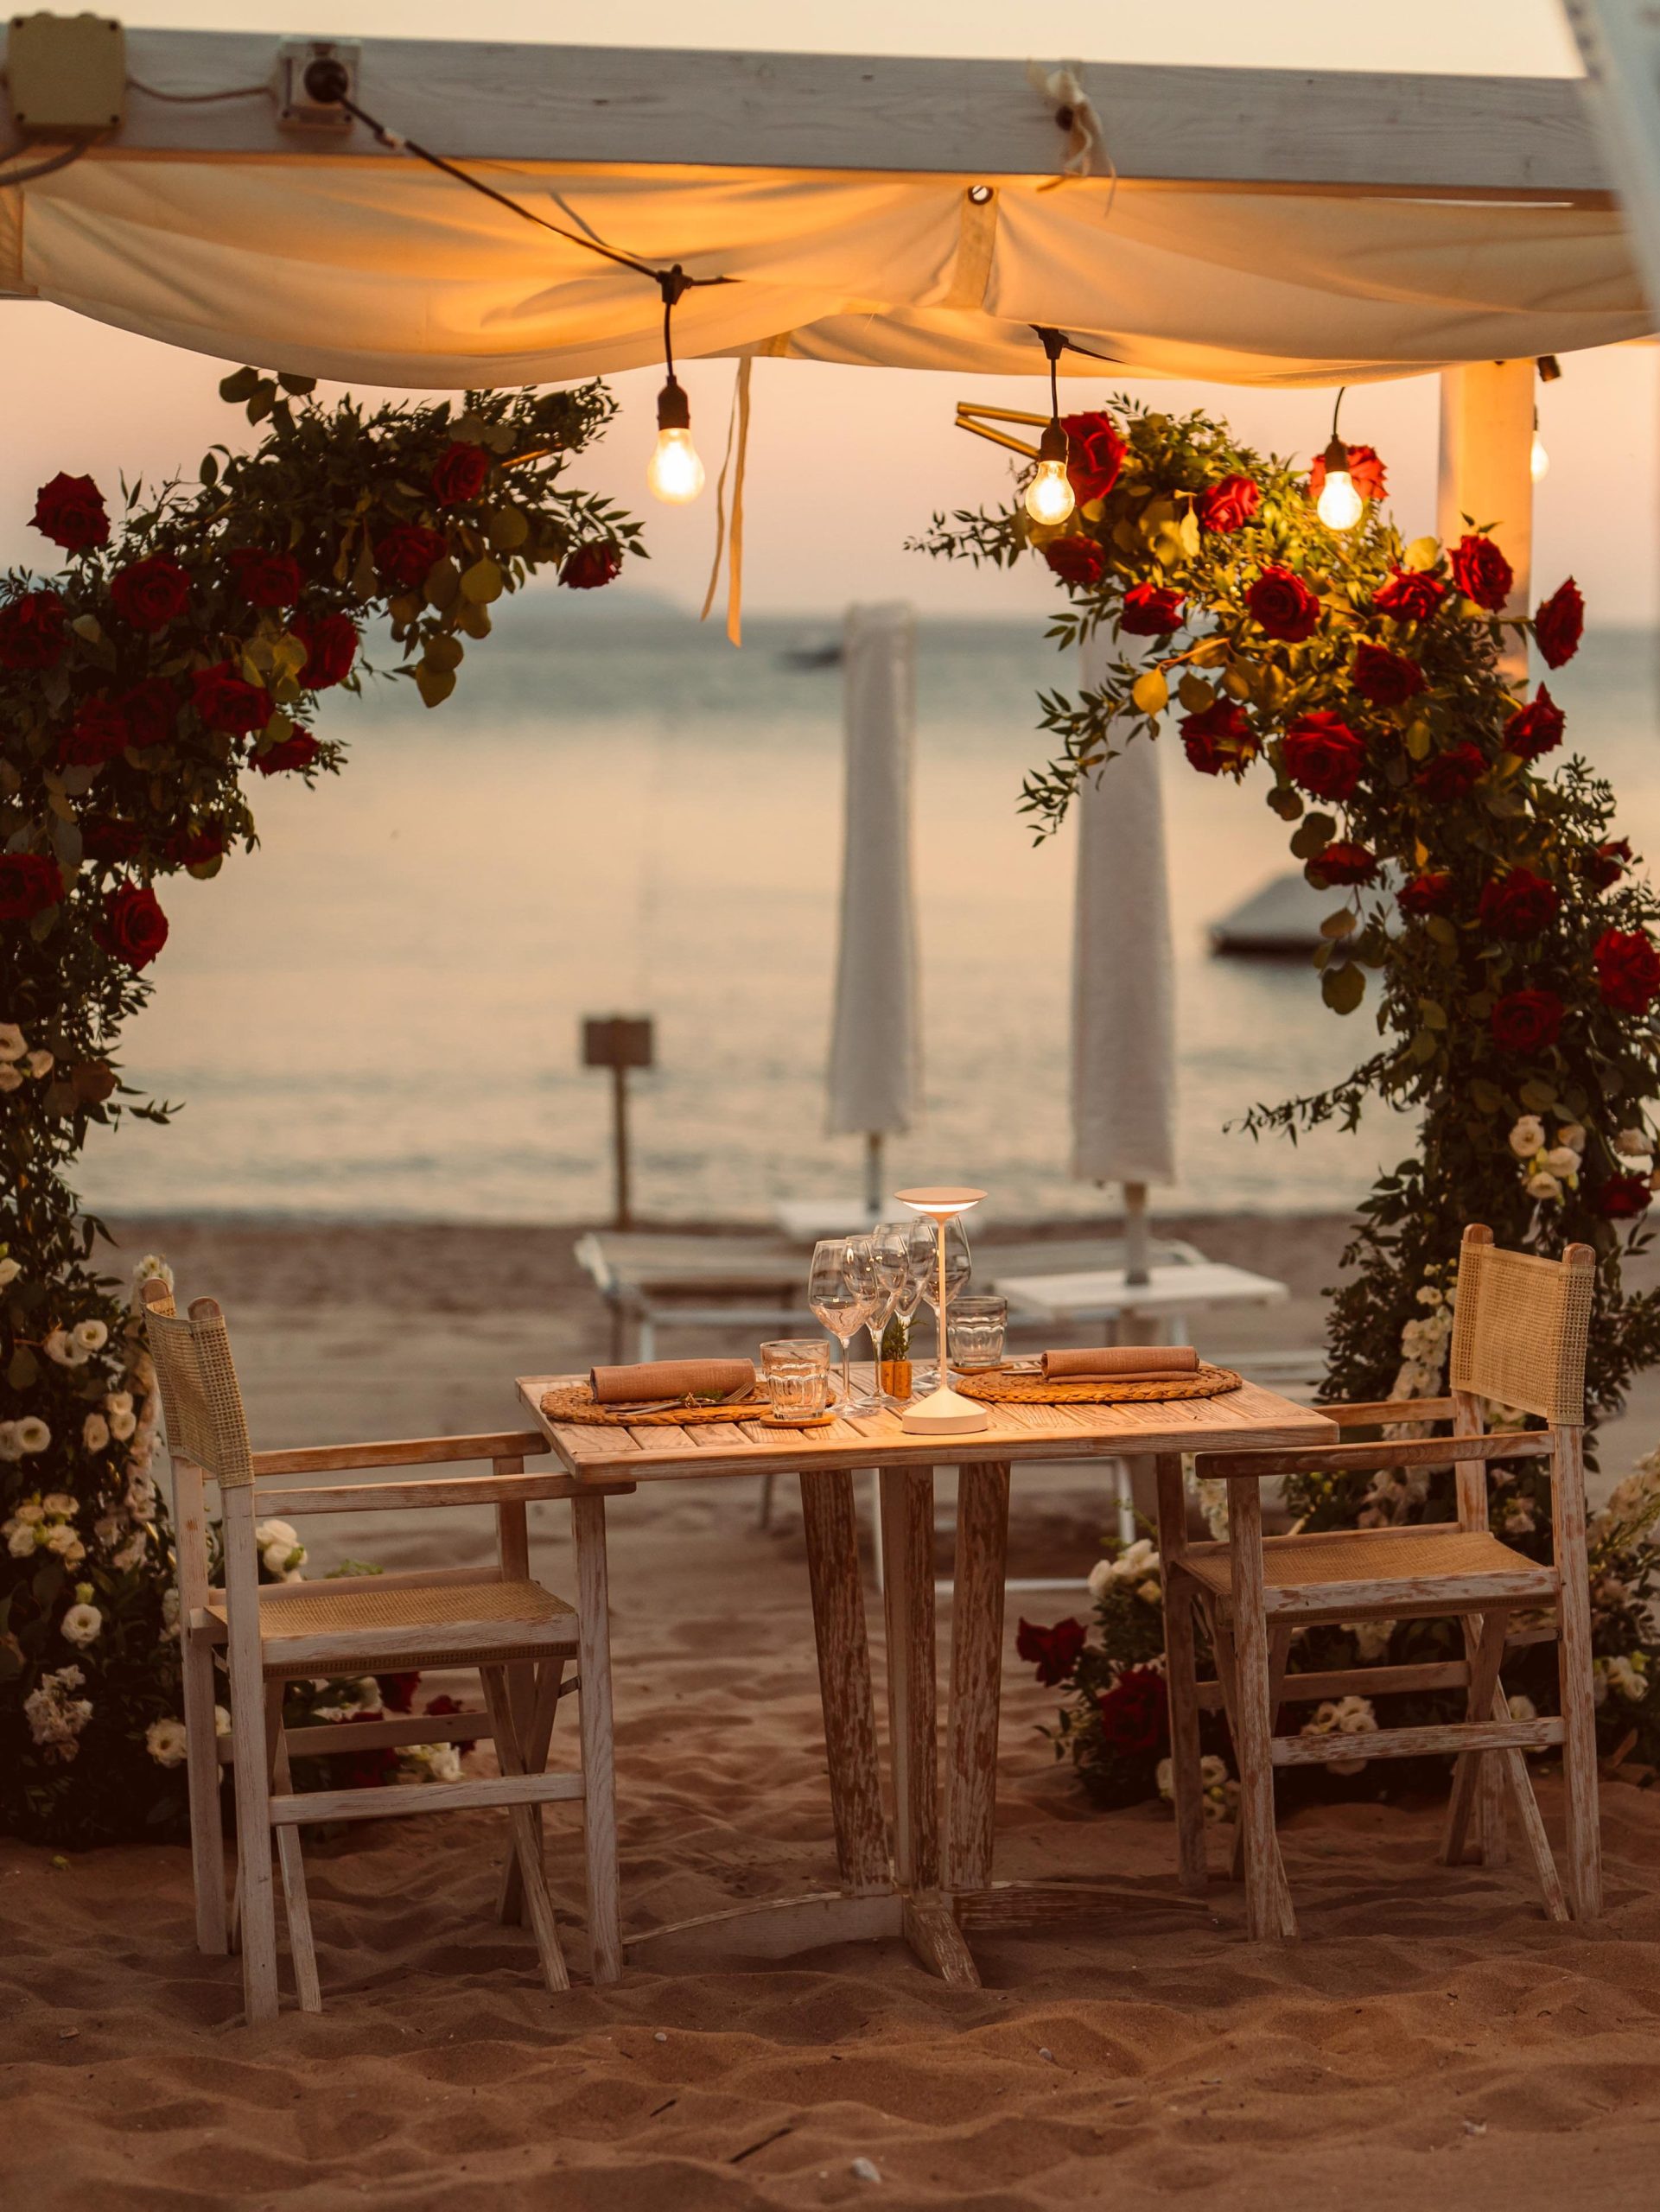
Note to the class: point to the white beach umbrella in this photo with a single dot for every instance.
(1123, 983)
(876, 1058)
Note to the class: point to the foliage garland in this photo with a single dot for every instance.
(181, 648)
(1511, 945)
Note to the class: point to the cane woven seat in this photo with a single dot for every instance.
(1439, 1551)
(357, 1607)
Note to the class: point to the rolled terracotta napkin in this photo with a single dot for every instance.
(1120, 1363)
(670, 1378)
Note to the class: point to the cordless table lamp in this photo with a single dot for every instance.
(944, 1411)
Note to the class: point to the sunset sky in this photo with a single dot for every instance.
(846, 463)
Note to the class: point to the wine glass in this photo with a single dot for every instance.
(881, 1285)
(924, 1251)
(839, 1305)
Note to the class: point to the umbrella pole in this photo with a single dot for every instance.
(873, 1173)
(1136, 1268)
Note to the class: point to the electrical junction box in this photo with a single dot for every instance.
(66, 75)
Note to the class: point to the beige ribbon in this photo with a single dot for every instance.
(737, 435)
(1086, 141)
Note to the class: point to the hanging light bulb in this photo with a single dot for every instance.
(1538, 459)
(1340, 504)
(1049, 497)
(674, 472)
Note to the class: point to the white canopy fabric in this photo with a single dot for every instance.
(390, 273)
(875, 1061)
(1123, 967)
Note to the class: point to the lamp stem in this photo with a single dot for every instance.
(944, 1367)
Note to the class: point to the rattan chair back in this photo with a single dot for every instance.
(1520, 1324)
(200, 1401)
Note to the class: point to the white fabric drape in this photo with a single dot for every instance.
(875, 1043)
(387, 272)
(1124, 1069)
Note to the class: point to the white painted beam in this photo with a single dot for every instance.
(1344, 131)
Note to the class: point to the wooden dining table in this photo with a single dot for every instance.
(927, 1874)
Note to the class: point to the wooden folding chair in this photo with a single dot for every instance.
(1520, 1326)
(494, 1617)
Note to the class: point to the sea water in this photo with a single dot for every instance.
(376, 1014)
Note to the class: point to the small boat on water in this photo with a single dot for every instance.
(1279, 922)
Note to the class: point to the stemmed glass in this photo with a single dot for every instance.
(880, 1274)
(840, 1305)
(923, 1247)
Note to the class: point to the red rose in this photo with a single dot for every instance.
(404, 552)
(1536, 728)
(151, 594)
(98, 734)
(1366, 472)
(134, 927)
(102, 838)
(1324, 755)
(1609, 862)
(331, 644)
(1343, 863)
(1559, 623)
(590, 568)
(1133, 1712)
(1410, 595)
(1076, 560)
(1282, 605)
(1628, 970)
(1482, 573)
(1453, 774)
(1385, 678)
(190, 848)
(1228, 505)
(1428, 892)
(29, 883)
(31, 632)
(1095, 454)
(70, 511)
(1623, 1196)
(1219, 738)
(1526, 1021)
(152, 711)
(1053, 1651)
(460, 474)
(267, 579)
(226, 703)
(296, 752)
(1151, 611)
(1518, 904)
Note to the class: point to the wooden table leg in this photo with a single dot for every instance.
(976, 1674)
(844, 1679)
(1266, 1905)
(1181, 1674)
(593, 1721)
(907, 1533)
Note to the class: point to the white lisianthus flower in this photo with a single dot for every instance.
(1164, 1776)
(95, 1433)
(1573, 1135)
(10, 1447)
(1635, 1144)
(171, 1609)
(11, 1075)
(1100, 1579)
(59, 1505)
(55, 1715)
(281, 1550)
(91, 1335)
(1544, 1186)
(32, 1434)
(1563, 1160)
(21, 1540)
(151, 1268)
(40, 1064)
(13, 1043)
(1371, 1639)
(9, 1271)
(57, 1346)
(1429, 1295)
(165, 1742)
(61, 1539)
(1528, 1136)
(81, 1624)
(442, 1762)
(122, 1425)
(117, 1401)
(221, 1721)
(1346, 1716)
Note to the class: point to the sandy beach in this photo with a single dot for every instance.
(1432, 2034)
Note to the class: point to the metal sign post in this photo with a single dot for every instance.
(618, 1042)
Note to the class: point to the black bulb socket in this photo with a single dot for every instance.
(1054, 444)
(673, 408)
(327, 81)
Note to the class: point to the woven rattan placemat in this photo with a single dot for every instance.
(996, 1387)
(576, 1403)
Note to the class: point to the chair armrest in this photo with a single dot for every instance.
(1367, 1458)
(411, 1452)
(1389, 1410)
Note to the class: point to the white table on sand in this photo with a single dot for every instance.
(928, 1876)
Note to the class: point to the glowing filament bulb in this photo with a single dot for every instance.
(675, 473)
(1340, 506)
(1049, 496)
